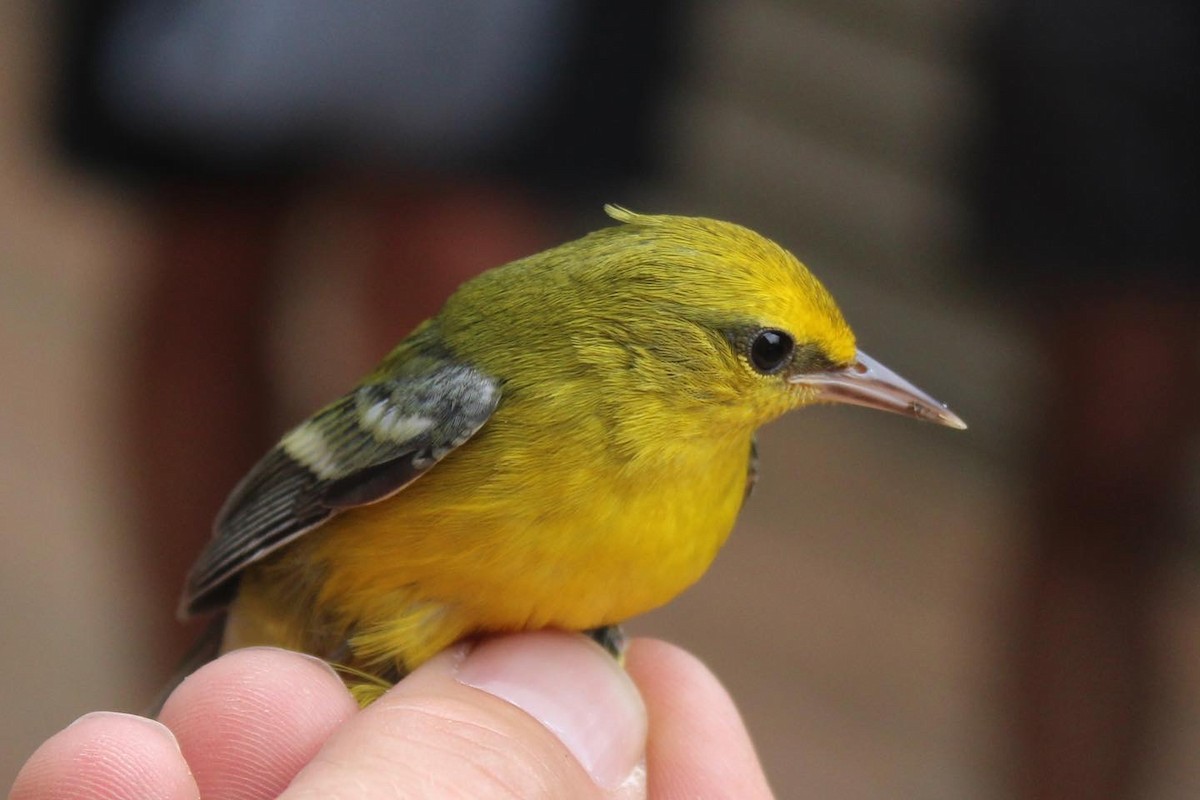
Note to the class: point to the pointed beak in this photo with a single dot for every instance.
(868, 383)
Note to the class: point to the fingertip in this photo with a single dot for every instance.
(681, 683)
(107, 756)
(699, 745)
(250, 720)
(259, 676)
(256, 682)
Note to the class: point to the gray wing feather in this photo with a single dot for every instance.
(361, 449)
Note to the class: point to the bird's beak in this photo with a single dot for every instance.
(868, 383)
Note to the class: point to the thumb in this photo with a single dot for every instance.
(532, 715)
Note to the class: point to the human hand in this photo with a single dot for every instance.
(524, 716)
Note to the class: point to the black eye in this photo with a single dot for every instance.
(770, 350)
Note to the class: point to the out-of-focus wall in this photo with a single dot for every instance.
(71, 606)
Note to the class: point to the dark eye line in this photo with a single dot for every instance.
(810, 358)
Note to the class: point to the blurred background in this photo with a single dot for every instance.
(201, 241)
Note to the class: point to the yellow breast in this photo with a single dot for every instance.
(577, 546)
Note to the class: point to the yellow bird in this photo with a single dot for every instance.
(566, 444)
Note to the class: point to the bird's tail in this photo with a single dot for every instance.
(206, 648)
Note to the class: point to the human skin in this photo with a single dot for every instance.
(524, 716)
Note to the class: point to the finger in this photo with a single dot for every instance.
(107, 756)
(250, 720)
(698, 744)
(532, 715)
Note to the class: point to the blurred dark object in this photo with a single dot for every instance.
(1086, 206)
(459, 135)
(586, 121)
(1087, 164)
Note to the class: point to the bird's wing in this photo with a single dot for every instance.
(364, 447)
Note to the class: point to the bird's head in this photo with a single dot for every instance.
(750, 321)
(698, 313)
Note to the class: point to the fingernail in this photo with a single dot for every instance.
(574, 689)
(155, 725)
(272, 651)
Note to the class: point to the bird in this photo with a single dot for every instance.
(566, 444)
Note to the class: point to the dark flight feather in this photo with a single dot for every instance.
(363, 448)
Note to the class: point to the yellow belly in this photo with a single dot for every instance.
(484, 543)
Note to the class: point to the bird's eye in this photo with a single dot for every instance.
(770, 350)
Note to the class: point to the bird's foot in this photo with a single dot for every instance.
(612, 639)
